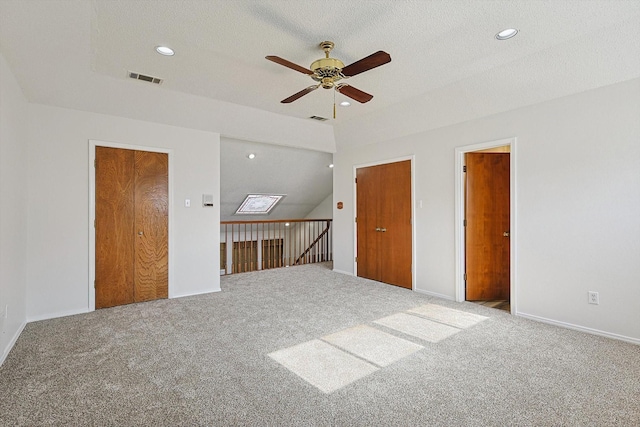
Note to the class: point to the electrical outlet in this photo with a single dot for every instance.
(594, 298)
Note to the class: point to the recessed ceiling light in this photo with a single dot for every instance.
(251, 156)
(506, 34)
(345, 103)
(331, 165)
(286, 224)
(165, 50)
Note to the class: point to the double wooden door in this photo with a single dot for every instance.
(383, 218)
(487, 234)
(131, 226)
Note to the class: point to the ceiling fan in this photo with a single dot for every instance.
(328, 71)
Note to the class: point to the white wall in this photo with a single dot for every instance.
(13, 209)
(58, 205)
(578, 205)
(324, 210)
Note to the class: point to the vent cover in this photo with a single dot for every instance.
(150, 79)
(318, 118)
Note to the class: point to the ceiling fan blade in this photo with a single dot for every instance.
(289, 64)
(372, 61)
(300, 94)
(354, 93)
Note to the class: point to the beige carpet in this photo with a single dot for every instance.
(305, 346)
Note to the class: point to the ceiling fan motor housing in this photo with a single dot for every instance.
(327, 71)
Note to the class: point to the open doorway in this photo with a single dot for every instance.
(485, 224)
(295, 230)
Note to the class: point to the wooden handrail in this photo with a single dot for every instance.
(263, 221)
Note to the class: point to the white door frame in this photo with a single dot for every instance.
(413, 212)
(459, 212)
(92, 209)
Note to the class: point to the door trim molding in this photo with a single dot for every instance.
(459, 216)
(412, 158)
(93, 143)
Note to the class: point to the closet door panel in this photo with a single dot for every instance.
(151, 225)
(114, 227)
(395, 221)
(367, 182)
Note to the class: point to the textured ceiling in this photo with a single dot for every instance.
(438, 49)
(446, 68)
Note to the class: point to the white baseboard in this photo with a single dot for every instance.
(343, 272)
(195, 293)
(15, 337)
(579, 328)
(56, 315)
(434, 294)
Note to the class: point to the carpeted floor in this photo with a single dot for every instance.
(254, 355)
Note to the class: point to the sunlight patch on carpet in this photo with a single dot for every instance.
(322, 365)
(418, 327)
(457, 318)
(372, 344)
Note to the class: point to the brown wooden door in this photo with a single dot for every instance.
(272, 253)
(131, 226)
(487, 226)
(152, 226)
(245, 256)
(384, 223)
(368, 240)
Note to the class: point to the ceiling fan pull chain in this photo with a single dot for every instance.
(334, 104)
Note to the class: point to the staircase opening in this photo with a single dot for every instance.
(262, 245)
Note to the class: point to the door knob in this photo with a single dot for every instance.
(377, 228)
(139, 233)
(383, 229)
(505, 233)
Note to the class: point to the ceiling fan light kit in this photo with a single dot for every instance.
(328, 71)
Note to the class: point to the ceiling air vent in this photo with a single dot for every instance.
(318, 118)
(150, 79)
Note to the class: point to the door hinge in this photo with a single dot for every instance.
(465, 277)
(356, 180)
(94, 283)
(356, 259)
(464, 223)
(464, 168)
(356, 219)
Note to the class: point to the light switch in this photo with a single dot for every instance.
(187, 203)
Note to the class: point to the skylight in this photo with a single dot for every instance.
(259, 204)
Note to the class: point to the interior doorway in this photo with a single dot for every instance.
(131, 226)
(485, 224)
(150, 237)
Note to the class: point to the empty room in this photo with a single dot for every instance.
(367, 213)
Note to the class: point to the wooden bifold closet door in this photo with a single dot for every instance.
(132, 255)
(383, 214)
